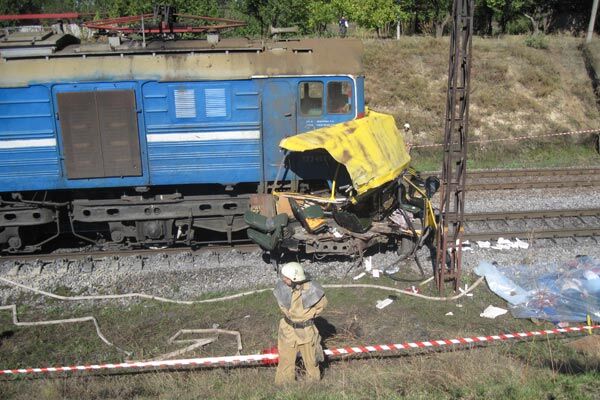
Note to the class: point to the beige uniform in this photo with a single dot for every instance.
(305, 340)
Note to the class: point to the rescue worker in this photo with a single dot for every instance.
(300, 300)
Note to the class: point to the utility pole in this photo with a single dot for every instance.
(454, 170)
(590, 31)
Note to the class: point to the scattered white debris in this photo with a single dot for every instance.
(449, 313)
(522, 244)
(368, 263)
(493, 312)
(590, 275)
(384, 303)
(504, 244)
(335, 233)
(412, 289)
(357, 277)
(465, 290)
(392, 270)
(466, 245)
(459, 305)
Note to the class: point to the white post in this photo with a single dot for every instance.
(143, 33)
(592, 21)
(398, 30)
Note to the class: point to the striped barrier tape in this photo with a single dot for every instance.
(271, 358)
(418, 146)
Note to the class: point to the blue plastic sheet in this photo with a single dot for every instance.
(556, 292)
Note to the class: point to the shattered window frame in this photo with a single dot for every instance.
(306, 91)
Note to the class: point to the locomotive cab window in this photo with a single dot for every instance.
(339, 97)
(311, 98)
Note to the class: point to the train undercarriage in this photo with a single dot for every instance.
(127, 221)
(397, 214)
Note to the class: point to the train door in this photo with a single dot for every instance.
(99, 133)
(279, 121)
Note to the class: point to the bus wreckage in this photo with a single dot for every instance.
(370, 195)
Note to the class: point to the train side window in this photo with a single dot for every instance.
(311, 98)
(339, 97)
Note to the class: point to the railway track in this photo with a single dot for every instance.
(525, 225)
(140, 254)
(539, 224)
(540, 178)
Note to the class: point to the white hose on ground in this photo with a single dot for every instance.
(409, 293)
(237, 295)
(128, 295)
(13, 307)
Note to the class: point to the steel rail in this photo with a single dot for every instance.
(498, 173)
(534, 233)
(535, 214)
(556, 233)
(561, 178)
(97, 255)
(532, 172)
(567, 183)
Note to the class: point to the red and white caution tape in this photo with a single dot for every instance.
(517, 138)
(271, 358)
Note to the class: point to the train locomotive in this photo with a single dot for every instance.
(191, 141)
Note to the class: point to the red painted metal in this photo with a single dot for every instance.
(126, 24)
(20, 17)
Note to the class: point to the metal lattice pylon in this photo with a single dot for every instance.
(452, 193)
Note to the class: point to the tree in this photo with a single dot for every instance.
(374, 14)
(441, 13)
(278, 13)
(320, 13)
(540, 13)
(505, 11)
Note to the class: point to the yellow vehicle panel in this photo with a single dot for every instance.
(371, 148)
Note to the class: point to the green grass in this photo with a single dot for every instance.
(525, 155)
(544, 368)
(516, 91)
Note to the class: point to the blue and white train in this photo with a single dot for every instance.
(156, 144)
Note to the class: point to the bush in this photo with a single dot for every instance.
(538, 41)
(519, 26)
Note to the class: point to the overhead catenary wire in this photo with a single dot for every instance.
(516, 138)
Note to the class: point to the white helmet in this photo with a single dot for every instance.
(293, 271)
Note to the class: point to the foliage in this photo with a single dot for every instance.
(313, 16)
(373, 14)
(519, 26)
(538, 41)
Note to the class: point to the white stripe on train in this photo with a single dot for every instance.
(203, 136)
